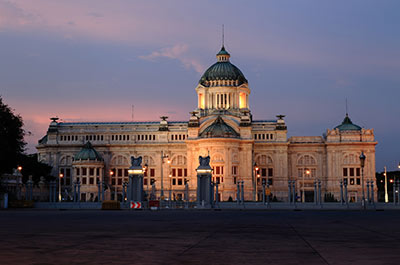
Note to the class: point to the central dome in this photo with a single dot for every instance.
(223, 70)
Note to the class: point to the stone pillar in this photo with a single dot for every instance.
(204, 171)
(136, 180)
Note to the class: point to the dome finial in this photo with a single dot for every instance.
(223, 36)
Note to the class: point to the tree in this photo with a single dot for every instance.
(32, 167)
(11, 138)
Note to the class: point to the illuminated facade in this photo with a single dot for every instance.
(221, 126)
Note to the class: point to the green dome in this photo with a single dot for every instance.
(219, 129)
(347, 125)
(223, 70)
(88, 153)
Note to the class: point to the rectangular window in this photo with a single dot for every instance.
(84, 182)
(84, 171)
(180, 182)
(345, 181)
(91, 171)
(217, 170)
(174, 172)
(98, 172)
(91, 181)
(126, 172)
(119, 172)
(351, 172)
(234, 170)
(234, 180)
(185, 172)
(222, 170)
(358, 181)
(351, 181)
(173, 181)
(270, 182)
(263, 172)
(78, 171)
(358, 172)
(145, 181)
(120, 181)
(152, 172)
(68, 172)
(344, 172)
(180, 172)
(113, 181)
(270, 172)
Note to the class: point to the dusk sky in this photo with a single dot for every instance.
(92, 60)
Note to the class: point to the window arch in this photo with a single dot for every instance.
(306, 160)
(265, 172)
(178, 174)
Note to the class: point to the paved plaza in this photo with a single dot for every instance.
(199, 237)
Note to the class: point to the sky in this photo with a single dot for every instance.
(91, 60)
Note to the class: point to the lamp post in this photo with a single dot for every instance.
(162, 178)
(59, 186)
(362, 162)
(255, 171)
(386, 187)
(146, 174)
(303, 197)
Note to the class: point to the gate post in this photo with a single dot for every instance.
(204, 192)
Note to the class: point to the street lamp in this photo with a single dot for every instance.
(146, 174)
(362, 162)
(303, 197)
(386, 187)
(255, 171)
(59, 187)
(162, 178)
(20, 168)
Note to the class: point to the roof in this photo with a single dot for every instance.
(223, 70)
(347, 125)
(219, 129)
(223, 51)
(88, 153)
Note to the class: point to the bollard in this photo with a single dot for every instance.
(341, 193)
(319, 192)
(242, 191)
(98, 188)
(79, 193)
(74, 183)
(372, 193)
(294, 191)
(315, 192)
(216, 194)
(123, 191)
(263, 194)
(237, 192)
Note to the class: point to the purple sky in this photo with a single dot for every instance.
(92, 60)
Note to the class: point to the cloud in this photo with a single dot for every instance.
(12, 16)
(177, 52)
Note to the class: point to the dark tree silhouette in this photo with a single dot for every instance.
(11, 138)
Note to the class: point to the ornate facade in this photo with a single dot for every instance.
(255, 151)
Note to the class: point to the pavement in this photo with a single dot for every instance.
(35, 236)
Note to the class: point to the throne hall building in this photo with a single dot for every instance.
(221, 126)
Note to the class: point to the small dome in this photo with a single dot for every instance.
(219, 129)
(88, 153)
(347, 125)
(223, 70)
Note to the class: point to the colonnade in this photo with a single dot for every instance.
(223, 100)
